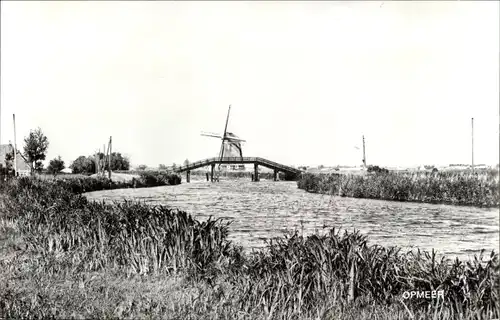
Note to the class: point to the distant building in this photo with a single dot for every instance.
(23, 166)
(66, 170)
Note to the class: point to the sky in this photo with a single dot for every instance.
(305, 80)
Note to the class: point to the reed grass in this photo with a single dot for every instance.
(295, 275)
(142, 239)
(458, 188)
(80, 183)
(130, 260)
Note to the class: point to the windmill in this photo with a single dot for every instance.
(230, 144)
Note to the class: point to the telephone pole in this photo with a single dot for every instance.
(472, 134)
(109, 160)
(15, 145)
(364, 156)
(110, 149)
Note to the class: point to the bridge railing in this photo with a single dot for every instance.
(263, 161)
(196, 164)
(278, 165)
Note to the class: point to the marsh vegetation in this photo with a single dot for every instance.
(458, 188)
(65, 256)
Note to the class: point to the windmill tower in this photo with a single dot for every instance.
(230, 146)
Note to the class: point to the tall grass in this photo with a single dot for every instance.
(458, 188)
(295, 275)
(139, 238)
(335, 275)
(82, 183)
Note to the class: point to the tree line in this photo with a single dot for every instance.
(35, 149)
(87, 164)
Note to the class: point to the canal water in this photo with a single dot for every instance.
(267, 209)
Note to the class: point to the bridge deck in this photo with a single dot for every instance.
(239, 160)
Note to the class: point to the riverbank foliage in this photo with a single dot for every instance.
(78, 183)
(64, 256)
(458, 188)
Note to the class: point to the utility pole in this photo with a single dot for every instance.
(364, 156)
(103, 160)
(472, 133)
(109, 159)
(96, 161)
(15, 145)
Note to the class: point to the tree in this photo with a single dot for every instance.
(8, 166)
(119, 162)
(55, 166)
(82, 164)
(162, 167)
(141, 167)
(9, 160)
(38, 166)
(186, 162)
(35, 148)
(87, 165)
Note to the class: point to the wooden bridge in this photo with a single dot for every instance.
(277, 167)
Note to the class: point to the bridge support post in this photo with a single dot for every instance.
(212, 168)
(188, 176)
(255, 172)
(275, 175)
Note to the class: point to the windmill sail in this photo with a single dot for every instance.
(230, 147)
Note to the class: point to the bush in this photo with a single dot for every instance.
(158, 178)
(55, 166)
(377, 169)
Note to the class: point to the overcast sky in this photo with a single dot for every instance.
(305, 80)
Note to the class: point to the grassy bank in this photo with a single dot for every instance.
(459, 188)
(64, 256)
(81, 183)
